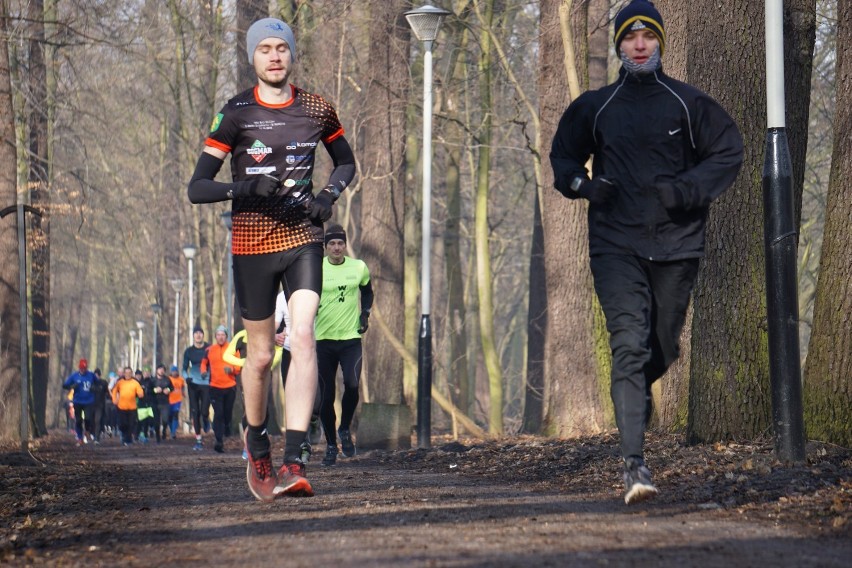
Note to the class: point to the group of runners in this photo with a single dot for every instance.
(135, 406)
(661, 151)
(140, 407)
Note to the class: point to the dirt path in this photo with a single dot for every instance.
(530, 502)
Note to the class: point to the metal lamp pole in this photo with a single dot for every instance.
(132, 349)
(155, 307)
(189, 252)
(177, 286)
(780, 238)
(229, 304)
(140, 325)
(425, 22)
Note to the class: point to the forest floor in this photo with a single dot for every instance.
(514, 502)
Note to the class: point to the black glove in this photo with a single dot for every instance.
(670, 196)
(599, 191)
(259, 186)
(320, 208)
(365, 322)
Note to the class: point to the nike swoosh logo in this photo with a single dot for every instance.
(673, 132)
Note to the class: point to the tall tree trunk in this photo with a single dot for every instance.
(671, 392)
(576, 365)
(537, 383)
(382, 201)
(10, 305)
(248, 11)
(599, 46)
(828, 371)
(459, 379)
(482, 234)
(729, 357)
(39, 185)
(536, 327)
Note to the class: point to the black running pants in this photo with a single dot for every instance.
(347, 355)
(645, 305)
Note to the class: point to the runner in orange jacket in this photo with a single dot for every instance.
(124, 394)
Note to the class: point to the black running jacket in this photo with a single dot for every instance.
(643, 131)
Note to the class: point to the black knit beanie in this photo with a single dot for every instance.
(638, 15)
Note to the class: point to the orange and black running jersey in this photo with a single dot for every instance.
(279, 140)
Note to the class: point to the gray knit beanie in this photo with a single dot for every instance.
(269, 27)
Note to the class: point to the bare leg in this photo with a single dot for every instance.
(260, 336)
(301, 385)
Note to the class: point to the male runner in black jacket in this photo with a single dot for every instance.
(663, 151)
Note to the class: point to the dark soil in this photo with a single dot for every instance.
(514, 502)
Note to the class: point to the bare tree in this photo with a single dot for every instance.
(828, 372)
(459, 379)
(39, 186)
(729, 358)
(576, 359)
(10, 307)
(382, 203)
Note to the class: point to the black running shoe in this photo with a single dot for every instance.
(315, 430)
(638, 486)
(346, 443)
(305, 451)
(330, 455)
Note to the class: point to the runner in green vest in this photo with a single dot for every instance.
(340, 323)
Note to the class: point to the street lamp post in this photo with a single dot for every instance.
(425, 22)
(155, 307)
(132, 349)
(189, 252)
(229, 304)
(140, 325)
(780, 239)
(177, 286)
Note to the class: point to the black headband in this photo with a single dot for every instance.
(336, 235)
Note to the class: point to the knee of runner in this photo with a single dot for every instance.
(301, 339)
(260, 359)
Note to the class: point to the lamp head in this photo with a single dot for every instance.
(425, 21)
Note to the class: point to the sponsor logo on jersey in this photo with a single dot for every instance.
(294, 182)
(217, 120)
(260, 170)
(291, 168)
(259, 150)
(293, 158)
(294, 145)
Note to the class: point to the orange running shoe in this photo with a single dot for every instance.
(292, 481)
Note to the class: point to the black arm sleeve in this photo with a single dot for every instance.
(344, 163)
(202, 187)
(366, 296)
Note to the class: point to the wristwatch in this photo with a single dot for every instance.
(335, 193)
(577, 182)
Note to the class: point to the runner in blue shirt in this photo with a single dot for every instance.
(82, 381)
